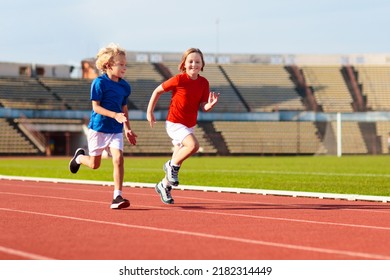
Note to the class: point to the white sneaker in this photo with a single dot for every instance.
(171, 173)
(165, 193)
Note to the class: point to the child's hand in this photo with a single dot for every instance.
(131, 137)
(213, 98)
(120, 117)
(151, 119)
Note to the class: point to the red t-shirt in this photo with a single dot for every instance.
(187, 95)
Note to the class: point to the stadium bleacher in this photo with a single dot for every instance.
(144, 78)
(13, 142)
(329, 87)
(26, 93)
(375, 81)
(265, 88)
(269, 137)
(73, 94)
(244, 87)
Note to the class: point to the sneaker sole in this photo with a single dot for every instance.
(121, 205)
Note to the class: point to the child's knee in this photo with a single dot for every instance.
(196, 147)
(193, 146)
(191, 143)
(94, 165)
(94, 162)
(117, 161)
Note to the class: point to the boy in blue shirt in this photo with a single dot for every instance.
(109, 117)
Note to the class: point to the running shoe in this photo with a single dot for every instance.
(73, 165)
(119, 202)
(171, 173)
(165, 193)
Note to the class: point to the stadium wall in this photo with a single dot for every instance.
(284, 59)
(371, 116)
(8, 69)
(272, 133)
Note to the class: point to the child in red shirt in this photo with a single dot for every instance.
(189, 92)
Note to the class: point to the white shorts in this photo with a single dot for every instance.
(98, 142)
(177, 132)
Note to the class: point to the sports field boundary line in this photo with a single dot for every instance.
(336, 196)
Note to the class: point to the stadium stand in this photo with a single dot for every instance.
(248, 87)
(329, 87)
(144, 78)
(269, 137)
(353, 141)
(13, 142)
(231, 101)
(156, 141)
(375, 81)
(72, 93)
(383, 131)
(149, 141)
(265, 88)
(26, 93)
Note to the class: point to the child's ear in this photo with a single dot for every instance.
(107, 66)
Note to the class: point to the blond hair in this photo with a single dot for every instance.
(106, 55)
(184, 57)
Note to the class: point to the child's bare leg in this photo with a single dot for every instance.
(118, 164)
(92, 162)
(80, 158)
(118, 173)
(190, 146)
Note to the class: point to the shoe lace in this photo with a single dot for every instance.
(168, 192)
(175, 171)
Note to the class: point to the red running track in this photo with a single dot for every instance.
(44, 220)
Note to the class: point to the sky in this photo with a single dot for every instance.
(65, 32)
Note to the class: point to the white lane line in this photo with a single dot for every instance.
(215, 213)
(350, 197)
(212, 236)
(23, 254)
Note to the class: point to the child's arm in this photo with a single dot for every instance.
(119, 117)
(130, 135)
(152, 104)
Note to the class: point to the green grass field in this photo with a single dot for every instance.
(365, 175)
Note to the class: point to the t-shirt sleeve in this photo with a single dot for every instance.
(96, 90)
(170, 84)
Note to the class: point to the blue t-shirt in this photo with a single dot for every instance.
(112, 96)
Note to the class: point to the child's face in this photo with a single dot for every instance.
(193, 64)
(118, 69)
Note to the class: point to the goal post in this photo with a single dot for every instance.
(339, 135)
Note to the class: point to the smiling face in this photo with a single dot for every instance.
(118, 68)
(193, 65)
